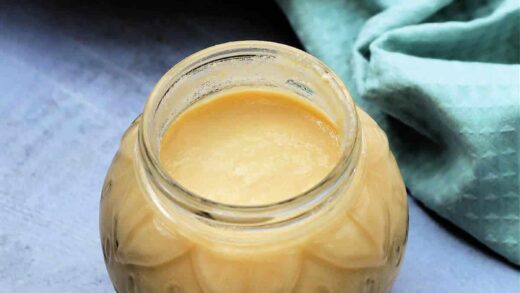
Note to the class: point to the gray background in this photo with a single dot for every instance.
(73, 75)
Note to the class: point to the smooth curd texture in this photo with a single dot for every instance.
(250, 147)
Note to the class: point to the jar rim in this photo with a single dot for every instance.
(250, 215)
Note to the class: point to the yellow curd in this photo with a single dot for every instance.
(252, 189)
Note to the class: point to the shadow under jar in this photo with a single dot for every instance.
(345, 234)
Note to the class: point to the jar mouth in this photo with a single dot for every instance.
(296, 206)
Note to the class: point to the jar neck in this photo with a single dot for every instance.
(246, 64)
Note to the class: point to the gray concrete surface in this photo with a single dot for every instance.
(73, 75)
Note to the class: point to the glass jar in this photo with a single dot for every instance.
(345, 234)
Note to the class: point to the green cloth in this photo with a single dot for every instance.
(443, 79)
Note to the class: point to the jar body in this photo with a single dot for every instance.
(346, 234)
(359, 250)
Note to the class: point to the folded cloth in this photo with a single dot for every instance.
(442, 77)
